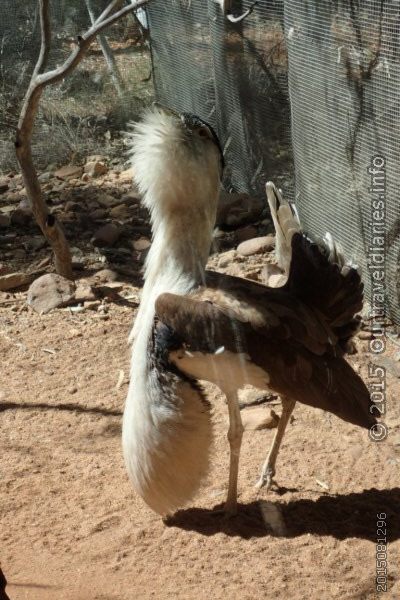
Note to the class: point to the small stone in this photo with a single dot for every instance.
(50, 291)
(106, 200)
(95, 168)
(4, 184)
(106, 235)
(131, 197)
(126, 175)
(257, 245)
(106, 275)
(4, 220)
(72, 389)
(43, 177)
(364, 335)
(226, 258)
(84, 292)
(19, 253)
(255, 419)
(276, 281)
(68, 172)
(99, 213)
(21, 217)
(238, 209)
(13, 280)
(72, 206)
(267, 271)
(35, 243)
(120, 211)
(141, 244)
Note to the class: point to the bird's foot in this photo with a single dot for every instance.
(225, 513)
(266, 480)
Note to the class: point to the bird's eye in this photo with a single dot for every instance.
(203, 132)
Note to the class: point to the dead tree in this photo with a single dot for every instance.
(47, 222)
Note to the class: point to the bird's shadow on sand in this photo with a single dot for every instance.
(341, 516)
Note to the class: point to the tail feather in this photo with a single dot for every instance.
(318, 272)
(166, 432)
(337, 388)
(286, 223)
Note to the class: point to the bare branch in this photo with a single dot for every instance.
(45, 31)
(107, 53)
(113, 6)
(50, 227)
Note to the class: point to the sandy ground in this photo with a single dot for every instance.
(72, 527)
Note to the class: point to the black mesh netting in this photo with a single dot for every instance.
(343, 63)
(344, 70)
(234, 76)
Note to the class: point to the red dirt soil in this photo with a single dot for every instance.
(73, 528)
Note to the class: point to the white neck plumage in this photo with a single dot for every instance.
(175, 263)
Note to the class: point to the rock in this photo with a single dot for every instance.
(99, 213)
(238, 209)
(4, 185)
(21, 217)
(50, 291)
(68, 172)
(126, 175)
(267, 271)
(226, 258)
(84, 293)
(4, 220)
(120, 211)
(276, 281)
(141, 244)
(107, 201)
(13, 280)
(95, 168)
(106, 276)
(44, 177)
(106, 235)
(257, 245)
(246, 233)
(364, 335)
(255, 419)
(7, 209)
(19, 253)
(131, 197)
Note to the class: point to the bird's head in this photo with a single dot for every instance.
(177, 161)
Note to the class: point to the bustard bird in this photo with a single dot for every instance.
(195, 325)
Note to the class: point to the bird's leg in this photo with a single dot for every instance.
(268, 470)
(235, 434)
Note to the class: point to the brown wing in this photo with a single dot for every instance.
(285, 339)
